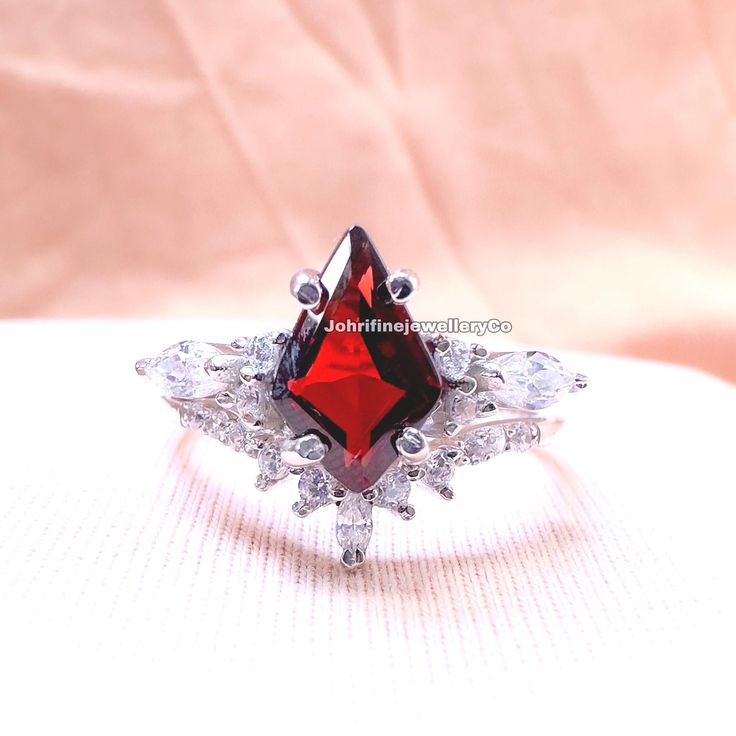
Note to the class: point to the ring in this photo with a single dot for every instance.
(358, 401)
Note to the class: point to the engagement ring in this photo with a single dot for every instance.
(356, 402)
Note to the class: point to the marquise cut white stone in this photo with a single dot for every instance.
(179, 371)
(354, 522)
(532, 380)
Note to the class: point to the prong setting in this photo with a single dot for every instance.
(401, 285)
(307, 288)
(412, 445)
(141, 366)
(303, 451)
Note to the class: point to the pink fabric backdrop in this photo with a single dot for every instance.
(568, 166)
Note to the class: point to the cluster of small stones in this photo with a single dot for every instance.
(478, 382)
(225, 396)
(473, 447)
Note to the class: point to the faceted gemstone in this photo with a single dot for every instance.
(235, 436)
(249, 402)
(354, 522)
(484, 443)
(271, 464)
(193, 416)
(439, 469)
(454, 361)
(216, 423)
(179, 371)
(460, 408)
(355, 388)
(314, 488)
(521, 436)
(532, 380)
(394, 489)
(261, 352)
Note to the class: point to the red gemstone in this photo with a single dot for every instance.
(357, 389)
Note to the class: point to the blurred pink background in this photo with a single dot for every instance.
(568, 166)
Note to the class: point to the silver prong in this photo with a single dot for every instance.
(441, 345)
(338, 493)
(467, 386)
(262, 483)
(487, 409)
(412, 445)
(415, 473)
(225, 400)
(451, 429)
(447, 493)
(402, 285)
(141, 366)
(370, 494)
(282, 337)
(300, 509)
(581, 381)
(302, 451)
(239, 343)
(479, 351)
(218, 365)
(352, 558)
(307, 288)
(247, 373)
(406, 511)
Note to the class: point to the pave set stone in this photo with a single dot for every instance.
(353, 394)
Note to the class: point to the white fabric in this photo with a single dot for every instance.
(147, 587)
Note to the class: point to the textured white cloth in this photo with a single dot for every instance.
(147, 587)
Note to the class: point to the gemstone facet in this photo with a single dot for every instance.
(354, 522)
(179, 371)
(532, 380)
(356, 388)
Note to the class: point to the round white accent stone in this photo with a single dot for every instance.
(270, 462)
(484, 443)
(249, 402)
(521, 436)
(315, 485)
(261, 352)
(438, 470)
(394, 488)
(453, 363)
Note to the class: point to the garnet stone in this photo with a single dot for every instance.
(356, 389)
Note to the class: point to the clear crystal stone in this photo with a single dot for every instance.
(484, 443)
(249, 402)
(453, 363)
(484, 402)
(314, 488)
(394, 489)
(261, 352)
(521, 436)
(354, 522)
(235, 436)
(460, 407)
(270, 462)
(179, 371)
(192, 416)
(532, 380)
(216, 423)
(439, 469)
